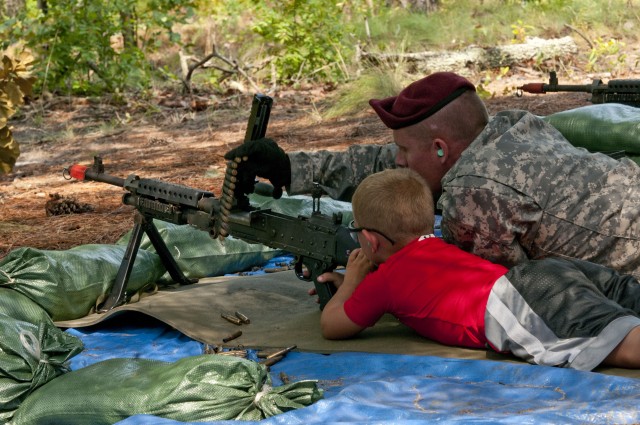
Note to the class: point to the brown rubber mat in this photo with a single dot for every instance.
(281, 314)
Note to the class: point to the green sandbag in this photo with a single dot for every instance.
(68, 284)
(198, 255)
(303, 205)
(33, 350)
(607, 127)
(197, 388)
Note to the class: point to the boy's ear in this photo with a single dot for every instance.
(372, 239)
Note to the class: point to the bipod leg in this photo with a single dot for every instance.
(118, 293)
(167, 259)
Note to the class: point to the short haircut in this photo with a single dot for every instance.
(464, 118)
(397, 202)
(459, 122)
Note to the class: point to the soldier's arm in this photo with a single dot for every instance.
(490, 220)
(338, 173)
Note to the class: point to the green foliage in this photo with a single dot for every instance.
(607, 52)
(463, 22)
(93, 47)
(393, 26)
(376, 83)
(307, 38)
(16, 82)
(520, 31)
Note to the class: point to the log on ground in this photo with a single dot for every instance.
(479, 58)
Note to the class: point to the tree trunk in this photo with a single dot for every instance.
(479, 58)
(127, 21)
(426, 6)
(44, 6)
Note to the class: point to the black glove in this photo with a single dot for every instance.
(265, 159)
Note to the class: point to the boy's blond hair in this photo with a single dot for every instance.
(397, 202)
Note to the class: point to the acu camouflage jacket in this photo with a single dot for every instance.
(519, 191)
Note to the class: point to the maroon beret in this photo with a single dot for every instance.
(420, 99)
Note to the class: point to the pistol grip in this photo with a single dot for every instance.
(324, 290)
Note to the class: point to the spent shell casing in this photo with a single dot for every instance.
(275, 269)
(233, 336)
(243, 318)
(231, 318)
(271, 360)
(211, 349)
(234, 353)
(282, 352)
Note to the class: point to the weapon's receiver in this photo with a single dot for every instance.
(320, 243)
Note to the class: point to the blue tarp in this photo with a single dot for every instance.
(384, 388)
(399, 389)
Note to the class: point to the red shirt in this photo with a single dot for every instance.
(431, 286)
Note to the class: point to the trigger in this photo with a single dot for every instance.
(301, 271)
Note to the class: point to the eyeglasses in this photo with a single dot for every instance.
(355, 230)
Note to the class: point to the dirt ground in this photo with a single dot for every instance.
(166, 139)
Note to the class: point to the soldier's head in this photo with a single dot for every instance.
(391, 208)
(433, 121)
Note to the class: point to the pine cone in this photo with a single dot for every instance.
(60, 205)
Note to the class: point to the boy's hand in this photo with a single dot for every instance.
(331, 277)
(334, 322)
(358, 266)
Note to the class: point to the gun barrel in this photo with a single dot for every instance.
(583, 88)
(537, 88)
(82, 172)
(533, 88)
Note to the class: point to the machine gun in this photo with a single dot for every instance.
(626, 92)
(320, 243)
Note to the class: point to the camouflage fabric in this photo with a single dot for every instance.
(520, 190)
(338, 173)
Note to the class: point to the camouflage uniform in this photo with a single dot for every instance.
(520, 190)
(338, 173)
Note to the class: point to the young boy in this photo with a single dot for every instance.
(555, 312)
